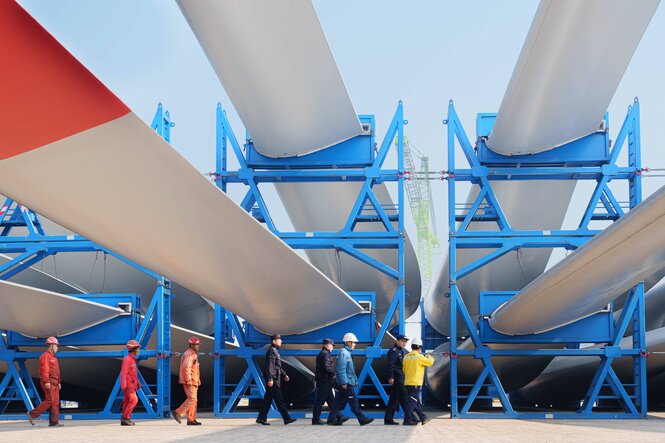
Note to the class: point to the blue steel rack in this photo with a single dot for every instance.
(590, 158)
(17, 385)
(359, 160)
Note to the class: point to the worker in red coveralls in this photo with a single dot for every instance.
(49, 378)
(190, 379)
(129, 382)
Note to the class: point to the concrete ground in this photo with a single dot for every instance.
(440, 429)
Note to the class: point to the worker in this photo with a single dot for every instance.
(274, 375)
(396, 381)
(414, 373)
(325, 378)
(190, 379)
(129, 382)
(49, 379)
(347, 381)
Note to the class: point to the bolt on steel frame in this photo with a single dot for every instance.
(334, 164)
(579, 160)
(17, 385)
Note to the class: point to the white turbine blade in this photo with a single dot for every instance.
(572, 61)
(624, 254)
(38, 313)
(528, 206)
(325, 207)
(274, 76)
(97, 272)
(566, 380)
(514, 372)
(38, 278)
(571, 64)
(275, 64)
(94, 167)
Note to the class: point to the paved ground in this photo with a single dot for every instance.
(440, 429)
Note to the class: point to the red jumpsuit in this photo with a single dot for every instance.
(49, 372)
(190, 379)
(129, 384)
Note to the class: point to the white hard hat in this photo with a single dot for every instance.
(350, 336)
(417, 341)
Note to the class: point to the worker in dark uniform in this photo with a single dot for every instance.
(395, 376)
(325, 380)
(49, 378)
(274, 374)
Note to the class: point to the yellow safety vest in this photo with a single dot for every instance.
(414, 368)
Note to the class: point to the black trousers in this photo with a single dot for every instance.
(349, 396)
(398, 397)
(273, 393)
(413, 402)
(324, 394)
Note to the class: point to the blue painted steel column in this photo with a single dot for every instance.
(635, 155)
(219, 361)
(639, 361)
(400, 211)
(220, 145)
(164, 348)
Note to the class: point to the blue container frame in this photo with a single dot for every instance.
(17, 385)
(562, 163)
(358, 159)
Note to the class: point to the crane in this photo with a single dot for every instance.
(419, 194)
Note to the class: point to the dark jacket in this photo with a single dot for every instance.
(325, 367)
(395, 357)
(273, 370)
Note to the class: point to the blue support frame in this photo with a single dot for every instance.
(17, 385)
(590, 159)
(358, 159)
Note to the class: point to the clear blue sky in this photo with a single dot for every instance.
(424, 53)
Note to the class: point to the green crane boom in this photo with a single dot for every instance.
(422, 208)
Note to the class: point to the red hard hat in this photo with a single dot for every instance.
(52, 341)
(131, 344)
(194, 341)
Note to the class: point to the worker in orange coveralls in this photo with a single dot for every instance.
(129, 382)
(49, 378)
(190, 379)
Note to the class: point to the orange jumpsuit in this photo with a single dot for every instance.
(49, 372)
(190, 378)
(129, 384)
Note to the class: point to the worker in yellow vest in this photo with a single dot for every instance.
(414, 365)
